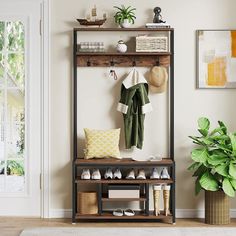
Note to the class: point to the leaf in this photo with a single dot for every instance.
(194, 166)
(200, 171)
(222, 170)
(216, 159)
(199, 155)
(203, 132)
(203, 123)
(233, 183)
(208, 182)
(197, 187)
(232, 170)
(233, 143)
(223, 127)
(228, 188)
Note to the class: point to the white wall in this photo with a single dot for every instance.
(185, 16)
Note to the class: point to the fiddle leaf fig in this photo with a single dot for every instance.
(214, 159)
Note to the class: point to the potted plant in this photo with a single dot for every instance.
(125, 16)
(214, 167)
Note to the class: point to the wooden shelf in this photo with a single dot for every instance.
(125, 162)
(123, 54)
(138, 215)
(125, 181)
(122, 29)
(106, 199)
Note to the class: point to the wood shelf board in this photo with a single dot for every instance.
(125, 181)
(138, 215)
(123, 29)
(106, 199)
(123, 54)
(122, 162)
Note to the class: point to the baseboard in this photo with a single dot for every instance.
(180, 213)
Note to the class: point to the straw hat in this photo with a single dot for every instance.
(158, 78)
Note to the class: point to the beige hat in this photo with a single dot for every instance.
(158, 78)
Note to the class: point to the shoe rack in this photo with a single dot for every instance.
(128, 59)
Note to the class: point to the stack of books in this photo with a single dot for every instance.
(157, 25)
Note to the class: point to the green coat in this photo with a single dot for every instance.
(134, 104)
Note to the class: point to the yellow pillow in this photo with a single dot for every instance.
(102, 143)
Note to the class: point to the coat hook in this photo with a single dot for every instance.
(134, 63)
(112, 62)
(88, 63)
(158, 62)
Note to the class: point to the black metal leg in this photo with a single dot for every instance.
(147, 199)
(100, 199)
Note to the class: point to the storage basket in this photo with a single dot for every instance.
(216, 208)
(151, 44)
(87, 203)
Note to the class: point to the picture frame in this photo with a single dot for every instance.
(216, 59)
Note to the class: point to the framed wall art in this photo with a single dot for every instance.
(216, 58)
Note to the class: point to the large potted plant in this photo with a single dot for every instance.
(125, 16)
(214, 167)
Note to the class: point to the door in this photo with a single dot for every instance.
(20, 108)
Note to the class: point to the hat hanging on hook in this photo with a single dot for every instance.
(158, 78)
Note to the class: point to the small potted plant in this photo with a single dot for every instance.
(215, 169)
(125, 16)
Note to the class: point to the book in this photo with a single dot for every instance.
(157, 25)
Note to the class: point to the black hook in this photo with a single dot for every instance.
(158, 62)
(112, 62)
(134, 63)
(88, 63)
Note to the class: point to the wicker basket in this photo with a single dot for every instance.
(151, 44)
(217, 208)
(87, 203)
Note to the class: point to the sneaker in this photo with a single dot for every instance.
(117, 174)
(130, 175)
(85, 174)
(165, 174)
(155, 174)
(141, 174)
(96, 174)
(108, 174)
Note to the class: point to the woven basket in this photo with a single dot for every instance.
(87, 203)
(217, 208)
(151, 44)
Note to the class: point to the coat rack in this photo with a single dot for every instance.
(122, 60)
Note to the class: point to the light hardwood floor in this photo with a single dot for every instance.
(10, 226)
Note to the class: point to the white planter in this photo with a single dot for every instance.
(126, 23)
(121, 47)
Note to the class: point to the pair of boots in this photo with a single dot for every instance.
(166, 198)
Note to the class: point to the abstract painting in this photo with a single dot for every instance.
(216, 58)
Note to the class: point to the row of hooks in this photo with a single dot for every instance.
(112, 63)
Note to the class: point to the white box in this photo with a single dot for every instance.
(123, 191)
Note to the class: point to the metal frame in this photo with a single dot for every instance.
(171, 131)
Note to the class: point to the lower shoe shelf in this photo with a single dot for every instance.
(138, 215)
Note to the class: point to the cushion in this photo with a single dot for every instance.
(102, 143)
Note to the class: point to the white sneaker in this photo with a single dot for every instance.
(155, 174)
(108, 174)
(165, 174)
(141, 174)
(130, 175)
(85, 174)
(96, 174)
(117, 174)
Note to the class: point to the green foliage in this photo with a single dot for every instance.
(124, 13)
(15, 168)
(215, 160)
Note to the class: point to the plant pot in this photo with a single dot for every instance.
(217, 208)
(126, 23)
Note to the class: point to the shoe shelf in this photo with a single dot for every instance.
(138, 216)
(124, 181)
(111, 162)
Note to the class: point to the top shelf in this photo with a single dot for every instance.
(123, 29)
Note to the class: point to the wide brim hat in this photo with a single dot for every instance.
(158, 78)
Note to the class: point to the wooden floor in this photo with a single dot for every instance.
(13, 226)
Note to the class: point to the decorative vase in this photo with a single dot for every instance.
(121, 46)
(125, 24)
(217, 208)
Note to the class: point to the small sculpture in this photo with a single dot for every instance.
(157, 17)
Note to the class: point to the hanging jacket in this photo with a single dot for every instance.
(134, 104)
